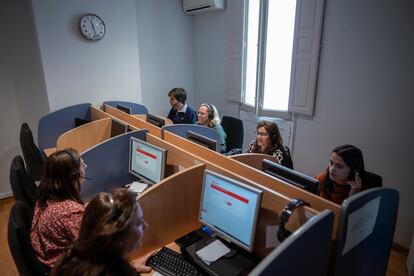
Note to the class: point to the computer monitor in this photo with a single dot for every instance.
(124, 108)
(81, 121)
(203, 140)
(118, 128)
(298, 179)
(155, 120)
(146, 161)
(230, 208)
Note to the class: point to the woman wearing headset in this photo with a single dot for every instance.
(269, 141)
(113, 225)
(208, 116)
(180, 112)
(345, 175)
(59, 208)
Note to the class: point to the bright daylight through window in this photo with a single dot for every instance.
(268, 55)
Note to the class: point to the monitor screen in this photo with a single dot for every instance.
(124, 108)
(298, 179)
(230, 208)
(146, 160)
(203, 140)
(155, 120)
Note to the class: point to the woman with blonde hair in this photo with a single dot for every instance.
(208, 116)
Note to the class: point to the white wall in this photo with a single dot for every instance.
(77, 70)
(166, 52)
(364, 91)
(23, 94)
(210, 51)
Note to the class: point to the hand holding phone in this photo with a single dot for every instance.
(355, 184)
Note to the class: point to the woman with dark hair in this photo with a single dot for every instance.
(345, 175)
(112, 226)
(208, 116)
(269, 141)
(180, 112)
(59, 208)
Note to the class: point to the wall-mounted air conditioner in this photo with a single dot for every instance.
(202, 6)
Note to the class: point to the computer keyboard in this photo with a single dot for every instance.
(168, 262)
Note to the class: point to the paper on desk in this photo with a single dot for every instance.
(361, 224)
(138, 187)
(271, 236)
(213, 252)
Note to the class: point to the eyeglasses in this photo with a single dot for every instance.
(261, 133)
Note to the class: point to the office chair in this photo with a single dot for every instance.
(372, 180)
(306, 252)
(24, 189)
(373, 212)
(24, 257)
(33, 157)
(235, 133)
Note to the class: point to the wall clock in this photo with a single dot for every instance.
(92, 27)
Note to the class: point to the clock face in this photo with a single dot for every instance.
(92, 27)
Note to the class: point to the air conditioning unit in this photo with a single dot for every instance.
(202, 6)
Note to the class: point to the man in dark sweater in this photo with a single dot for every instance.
(180, 112)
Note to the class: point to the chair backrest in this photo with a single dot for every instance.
(372, 180)
(20, 221)
(305, 252)
(24, 189)
(234, 130)
(33, 157)
(135, 108)
(365, 232)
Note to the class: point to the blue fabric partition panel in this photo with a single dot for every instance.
(108, 164)
(54, 124)
(305, 252)
(366, 232)
(135, 108)
(181, 130)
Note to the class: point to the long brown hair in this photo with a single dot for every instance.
(60, 179)
(354, 159)
(274, 135)
(105, 226)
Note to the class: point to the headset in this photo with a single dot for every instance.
(75, 174)
(210, 111)
(283, 233)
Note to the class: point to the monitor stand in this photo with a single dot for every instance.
(236, 262)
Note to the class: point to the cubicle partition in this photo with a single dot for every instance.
(133, 107)
(244, 171)
(181, 130)
(135, 121)
(108, 164)
(171, 208)
(52, 125)
(85, 136)
(272, 202)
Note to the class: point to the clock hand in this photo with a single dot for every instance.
(93, 26)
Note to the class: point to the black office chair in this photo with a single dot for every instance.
(372, 180)
(24, 257)
(33, 157)
(24, 189)
(235, 133)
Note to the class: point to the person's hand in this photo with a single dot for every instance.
(139, 263)
(355, 185)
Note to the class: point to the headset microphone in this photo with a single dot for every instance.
(84, 177)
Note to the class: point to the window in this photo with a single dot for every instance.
(277, 67)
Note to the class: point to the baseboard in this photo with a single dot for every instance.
(6, 195)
